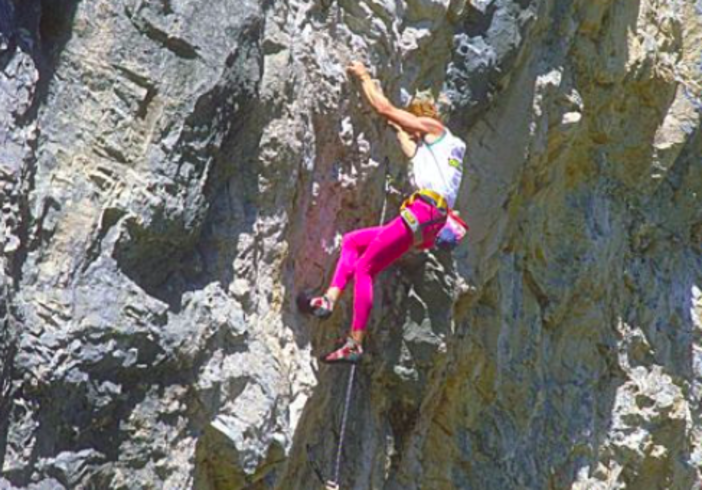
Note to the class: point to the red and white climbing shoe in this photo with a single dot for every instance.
(319, 306)
(349, 353)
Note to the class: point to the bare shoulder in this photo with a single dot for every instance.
(434, 128)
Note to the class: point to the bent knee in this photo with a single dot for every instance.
(349, 241)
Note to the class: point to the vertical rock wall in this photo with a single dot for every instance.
(173, 172)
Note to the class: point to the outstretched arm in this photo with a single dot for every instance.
(406, 120)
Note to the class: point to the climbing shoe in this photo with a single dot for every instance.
(349, 353)
(319, 306)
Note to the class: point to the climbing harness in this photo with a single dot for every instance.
(334, 484)
(430, 197)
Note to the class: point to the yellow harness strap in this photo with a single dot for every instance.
(411, 220)
(434, 196)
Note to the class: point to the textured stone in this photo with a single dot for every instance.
(172, 173)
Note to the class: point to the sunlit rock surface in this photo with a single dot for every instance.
(173, 172)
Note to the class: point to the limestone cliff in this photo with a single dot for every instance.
(173, 172)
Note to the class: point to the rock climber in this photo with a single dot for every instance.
(437, 164)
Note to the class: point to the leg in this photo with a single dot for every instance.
(393, 241)
(390, 243)
(352, 246)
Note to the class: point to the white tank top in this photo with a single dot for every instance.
(438, 166)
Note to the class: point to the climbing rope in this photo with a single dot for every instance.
(334, 484)
(345, 56)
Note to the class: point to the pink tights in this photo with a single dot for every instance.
(366, 252)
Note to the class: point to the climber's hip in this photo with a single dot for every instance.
(424, 213)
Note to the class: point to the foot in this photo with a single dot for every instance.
(319, 306)
(349, 353)
(322, 306)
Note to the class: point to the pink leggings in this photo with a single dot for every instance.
(366, 252)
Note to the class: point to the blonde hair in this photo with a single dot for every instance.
(423, 104)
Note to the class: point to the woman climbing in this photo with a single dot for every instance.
(437, 157)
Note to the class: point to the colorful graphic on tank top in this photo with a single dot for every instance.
(456, 158)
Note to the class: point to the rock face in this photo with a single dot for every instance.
(173, 172)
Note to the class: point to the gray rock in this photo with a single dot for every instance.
(173, 173)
